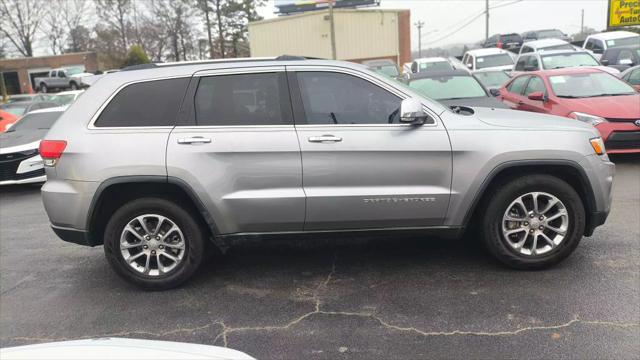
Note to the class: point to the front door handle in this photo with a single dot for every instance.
(194, 140)
(324, 138)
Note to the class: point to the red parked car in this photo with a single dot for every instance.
(585, 94)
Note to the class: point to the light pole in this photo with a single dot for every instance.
(419, 25)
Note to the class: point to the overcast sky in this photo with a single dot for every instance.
(442, 17)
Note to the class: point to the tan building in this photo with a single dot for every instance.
(19, 73)
(360, 35)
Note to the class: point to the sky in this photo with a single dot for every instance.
(442, 17)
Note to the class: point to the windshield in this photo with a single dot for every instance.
(547, 34)
(589, 85)
(17, 108)
(557, 47)
(632, 40)
(448, 87)
(558, 61)
(434, 66)
(37, 121)
(73, 71)
(388, 70)
(484, 62)
(492, 79)
(64, 99)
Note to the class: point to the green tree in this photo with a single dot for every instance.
(136, 56)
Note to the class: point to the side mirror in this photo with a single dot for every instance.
(469, 65)
(494, 92)
(411, 112)
(628, 62)
(605, 62)
(536, 95)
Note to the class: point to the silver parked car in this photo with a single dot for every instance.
(160, 162)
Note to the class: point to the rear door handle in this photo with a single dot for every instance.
(324, 138)
(194, 140)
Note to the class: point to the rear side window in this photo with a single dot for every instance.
(536, 84)
(243, 99)
(149, 103)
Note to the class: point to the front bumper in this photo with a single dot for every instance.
(21, 167)
(600, 172)
(620, 137)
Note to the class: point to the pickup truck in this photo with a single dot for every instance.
(60, 79)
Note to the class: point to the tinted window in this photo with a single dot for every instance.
(625, 55)
(150, 103)
(517, 85)
(61, 73)
(532, 64)
(243, 99)
(522, 61)
(37, 121)
(535, 84)
(331, 98)
(526, 49)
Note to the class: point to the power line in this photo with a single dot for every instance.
(458, 29)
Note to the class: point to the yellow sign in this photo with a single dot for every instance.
(624, 13)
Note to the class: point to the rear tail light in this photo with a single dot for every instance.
(51, 150)
(499, 45)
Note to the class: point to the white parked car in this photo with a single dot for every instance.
(598, 43)
(546, 45)
(66, 98)
(558, 59)
(489, 58)
(430, 64)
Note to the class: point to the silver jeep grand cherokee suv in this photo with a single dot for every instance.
(162, 161)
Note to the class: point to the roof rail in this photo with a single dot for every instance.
(217, 61)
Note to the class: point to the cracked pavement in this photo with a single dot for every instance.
(400, 297)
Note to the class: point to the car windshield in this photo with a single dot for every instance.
(492, 79)
(589, 85)
(448, 87)
(558, 61)
(547, 34)
(388, 70)
(17, 108)
(483, 62)
(73, 71)
(510, 38)
(63, 99)
(434, 66)
(37, 121)
(557, 47)
(628, 41)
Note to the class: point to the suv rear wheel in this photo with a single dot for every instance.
(153, 243)
(533, 222)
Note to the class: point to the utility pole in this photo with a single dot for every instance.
(582, 22)
(419, 25)
(486, 20)
(333, 31)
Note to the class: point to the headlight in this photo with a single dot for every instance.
(598, 146)
(590, 119)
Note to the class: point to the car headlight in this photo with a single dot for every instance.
(588, 118)
(598, 145)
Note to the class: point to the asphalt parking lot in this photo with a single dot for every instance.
(384, 298)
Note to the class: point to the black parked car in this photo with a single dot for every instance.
(512, 42)
(454, 88)
(621, 58)
(545, 34)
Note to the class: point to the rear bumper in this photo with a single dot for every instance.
(80, 237)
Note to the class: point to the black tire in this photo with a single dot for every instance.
(193, 237)
(74, 86)
(43, 88)
(501, 197)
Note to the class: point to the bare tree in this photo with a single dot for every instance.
(54, 28)
(174, 18)
(206, 10)
(74, 12)
(20, 21)
(115, 14)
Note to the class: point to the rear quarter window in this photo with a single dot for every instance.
(149, 103)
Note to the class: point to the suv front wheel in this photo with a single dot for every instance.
(154, 243)
(533, 222)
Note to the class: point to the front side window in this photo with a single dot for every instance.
(333, 98)
(634, 77)
(492, 79)
(448, 87)
(558, 61)
(483, 62)
(522, 62)
(149, 103)
(61, 74)
(589, 85)
(242, 99)
(535, 85)
(517, 85)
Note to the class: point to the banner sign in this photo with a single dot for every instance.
(289, 7)
(623, 13)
